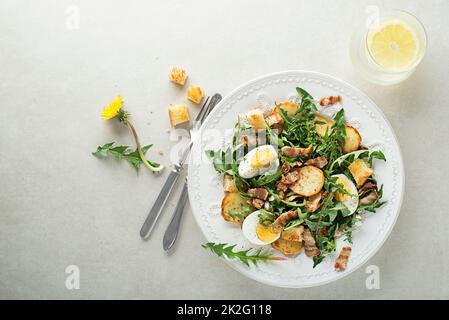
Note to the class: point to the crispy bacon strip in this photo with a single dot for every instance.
(310, 244)
(342, 260)
(256, 203)
(313, 202)
(274, 120)
(259, 193)
(369, 198)
(293, 152)
(249, 141)
(281, 186)
(293, 197)
(368, 185)
(290, 177)
(319, 162)
(283, 219)
(285, 168)
(328, 101)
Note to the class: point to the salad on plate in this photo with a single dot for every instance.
(297, 179)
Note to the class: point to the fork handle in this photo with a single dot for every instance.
(172, 230)
(162, 198)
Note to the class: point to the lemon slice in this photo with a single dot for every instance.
(393, 45)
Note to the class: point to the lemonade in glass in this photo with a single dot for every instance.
(386, 50)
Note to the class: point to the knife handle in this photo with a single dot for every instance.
(172, 230)
(161, 199)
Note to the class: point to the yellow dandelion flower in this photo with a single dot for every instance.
(113, 109)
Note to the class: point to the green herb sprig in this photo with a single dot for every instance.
(226, 250)
(124, 152)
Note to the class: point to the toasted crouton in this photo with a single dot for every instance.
(232, 207)
(195, 93)
(228, 184)
(324, 127)
(177, 75)
(275, 120)
(178, 114)
(289, 107)
(310, 182)
(352, 140)
(288, 248)
(361, 171)
(256, 119)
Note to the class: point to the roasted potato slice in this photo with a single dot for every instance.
(289, 107)
(228, 184)
(326, 126)
(361, 171)
(289, 248)
(310, 182)
(352, 140)
(233, 202)
(293, 234)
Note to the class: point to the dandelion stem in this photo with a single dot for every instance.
(139, 148)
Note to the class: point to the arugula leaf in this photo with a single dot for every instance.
(348, 158)
(307, 106)
(298, 221)
(236, 215)
(242, 214)
(278, 200)
(376, 204)
(266, 215)
(264, 180)
(123, 152)
(220, 160)
(226, 250)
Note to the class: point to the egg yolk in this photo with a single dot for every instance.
(338, 195)
(265, 233)
(261, 158)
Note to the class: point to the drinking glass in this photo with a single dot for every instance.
(387, 48)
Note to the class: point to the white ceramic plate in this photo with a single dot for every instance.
(206, 193)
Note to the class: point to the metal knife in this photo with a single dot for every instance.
(167, 188)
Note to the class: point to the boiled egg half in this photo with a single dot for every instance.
(350, 200)
(262, 160)
(257, 233)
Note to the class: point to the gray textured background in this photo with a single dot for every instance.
(59, 205)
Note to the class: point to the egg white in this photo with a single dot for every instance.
(249, 229)
(247, 171)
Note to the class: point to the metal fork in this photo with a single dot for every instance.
(167, 188)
